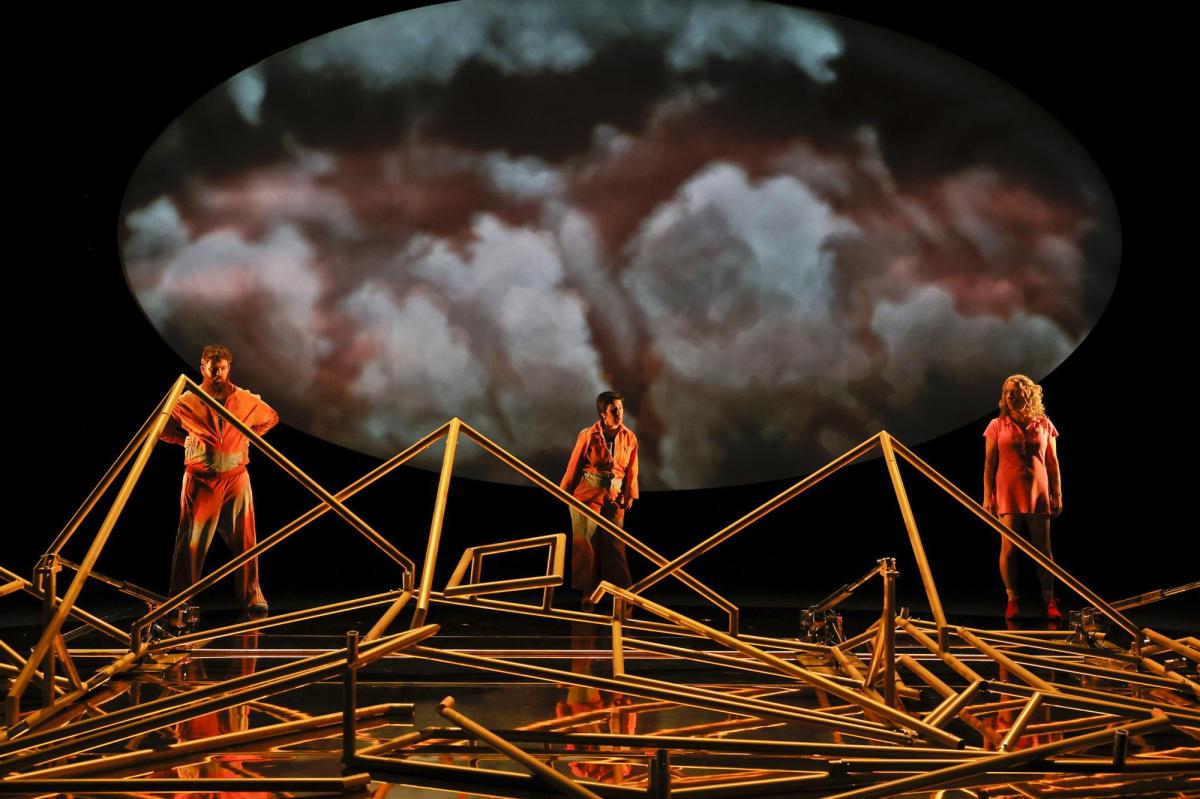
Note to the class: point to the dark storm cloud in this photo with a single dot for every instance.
(776, 233)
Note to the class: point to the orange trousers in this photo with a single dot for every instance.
(209, 504)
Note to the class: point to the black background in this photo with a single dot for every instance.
(84, 367)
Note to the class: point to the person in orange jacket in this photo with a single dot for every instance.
(216, 494)
(603, 474)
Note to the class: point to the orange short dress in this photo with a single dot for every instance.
(1022, 484)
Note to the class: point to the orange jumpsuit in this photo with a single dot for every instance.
(596, 475)
(216, 492)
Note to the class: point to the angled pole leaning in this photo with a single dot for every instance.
(107, 480)
(302, 477)
(1020, 543)
(914, 537)
(619, 533)
(55, 623)
(296, 524)
(435, 524)
(753, 516)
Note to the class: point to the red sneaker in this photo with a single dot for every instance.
(1052, 611)
(1013, 611)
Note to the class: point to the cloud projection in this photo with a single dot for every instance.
(776, 232)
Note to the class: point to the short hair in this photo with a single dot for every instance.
(607, 398)
(216, 352)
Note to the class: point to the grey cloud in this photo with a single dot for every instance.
(247, 90)
(522, 36)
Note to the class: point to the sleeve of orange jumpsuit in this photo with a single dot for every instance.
(575, 465)
(174, 432)
(630, 487)
(262, 417)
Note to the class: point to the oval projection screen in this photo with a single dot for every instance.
(776, 232)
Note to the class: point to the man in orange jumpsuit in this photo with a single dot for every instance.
(216, 487)
(603, 474)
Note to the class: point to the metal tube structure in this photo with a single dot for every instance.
(296, 524)
(1018, 726)
(122, 724)
(300, 476)
(46, 580)
(172, 753)
(435, 524)
(617, 532)
(723, 704)
(107, 480)
(988, 734)
(380, 627)
(184, 785)
(777, 709)
(1015, 668)
(914, 536)
(349, 699)
(962, 669)
(953, 705)
(997, 762)
(1020, 543)
(753, 516)
(537, 768)
(52, 628)
(816, 680)
(97, 623)
(204, 636)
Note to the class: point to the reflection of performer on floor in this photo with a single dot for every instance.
(586, 709)
(216, 494)
(603, 474)
(1021, 482)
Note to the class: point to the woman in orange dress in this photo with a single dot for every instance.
(1021, 483)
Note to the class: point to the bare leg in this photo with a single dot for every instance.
(1039, 532)
(1008, 560)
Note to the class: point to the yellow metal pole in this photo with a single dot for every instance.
(296, 524)
(933, 681)
(52, 628)
(1020, 543)
(1015, 668)
(300, 476)
(963, 670)
(1022, 721)
(893, 715)
(537, 768)
(174, 752)
(435, 524)
(1170, 643)
(107, 480)
(79, 613)
(619, 533)
(380, 627)
(785, 496)
(982, 766)
(914, 537)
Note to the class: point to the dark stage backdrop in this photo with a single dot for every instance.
(96, 367)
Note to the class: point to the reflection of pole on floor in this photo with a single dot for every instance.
(218, 696)
(534, 766)
(271, 735)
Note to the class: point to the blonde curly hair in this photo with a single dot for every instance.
(1034, 409)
